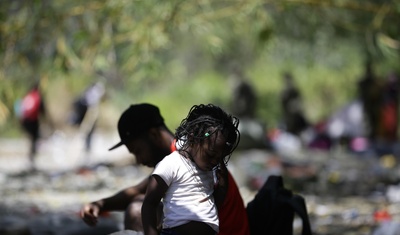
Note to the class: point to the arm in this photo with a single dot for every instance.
(221, 188)
(117, 202)
(155, 191)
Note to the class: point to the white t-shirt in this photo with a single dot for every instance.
(189, 195)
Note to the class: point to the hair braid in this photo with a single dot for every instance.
(204, 121)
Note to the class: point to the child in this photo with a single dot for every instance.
(185, 179)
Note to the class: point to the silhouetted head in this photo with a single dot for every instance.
(210, 126)
(141, 128)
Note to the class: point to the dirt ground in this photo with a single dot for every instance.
(67, 177)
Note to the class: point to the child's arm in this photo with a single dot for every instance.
(221, 188)
(155, 191)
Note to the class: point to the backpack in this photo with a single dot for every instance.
(273, 209)
(30, 106)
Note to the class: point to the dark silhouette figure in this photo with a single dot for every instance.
(369, 91)
(32, 108)
(291, 102)
(86, 111)
(389, 109)
(273, 209)
(244, 100)
(244, 105)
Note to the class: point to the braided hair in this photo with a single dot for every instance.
(204, 121)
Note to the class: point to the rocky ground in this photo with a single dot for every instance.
(345, 193)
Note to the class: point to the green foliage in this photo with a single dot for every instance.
(177, 53)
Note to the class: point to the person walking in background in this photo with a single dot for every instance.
(369, 91)
(86, 110)
(143, 131)
(244, 101)
(185, 179)
(292, 107)
(244, 106)
(389, 109)
(31, 111)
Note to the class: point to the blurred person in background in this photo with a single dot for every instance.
(244, 106)
(291, 102)
(86, 109)
(31, 111)
(389, 109)
(244, 100)
(369, 91)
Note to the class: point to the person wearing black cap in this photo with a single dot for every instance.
(143, 131)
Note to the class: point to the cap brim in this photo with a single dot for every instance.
(116, 146)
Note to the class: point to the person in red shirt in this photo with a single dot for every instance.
(31, 113)
(143, 131)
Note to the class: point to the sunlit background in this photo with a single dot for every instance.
(177, 53)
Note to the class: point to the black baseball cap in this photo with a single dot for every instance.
(137, 119)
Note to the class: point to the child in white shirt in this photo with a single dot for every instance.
(185, 178)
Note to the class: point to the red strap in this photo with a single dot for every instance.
(173, 146)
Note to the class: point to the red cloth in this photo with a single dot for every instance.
(389, 116)
(382, 215)
(232, 214)
(173, 146)
(30, 106)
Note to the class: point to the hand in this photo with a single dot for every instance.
(222, 176)
(221, 189)
(89, 213)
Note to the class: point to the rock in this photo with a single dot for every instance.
(13, 225)
(127, 232)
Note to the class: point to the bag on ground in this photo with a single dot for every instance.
(273, 209)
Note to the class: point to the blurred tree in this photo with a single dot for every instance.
(133, 44)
